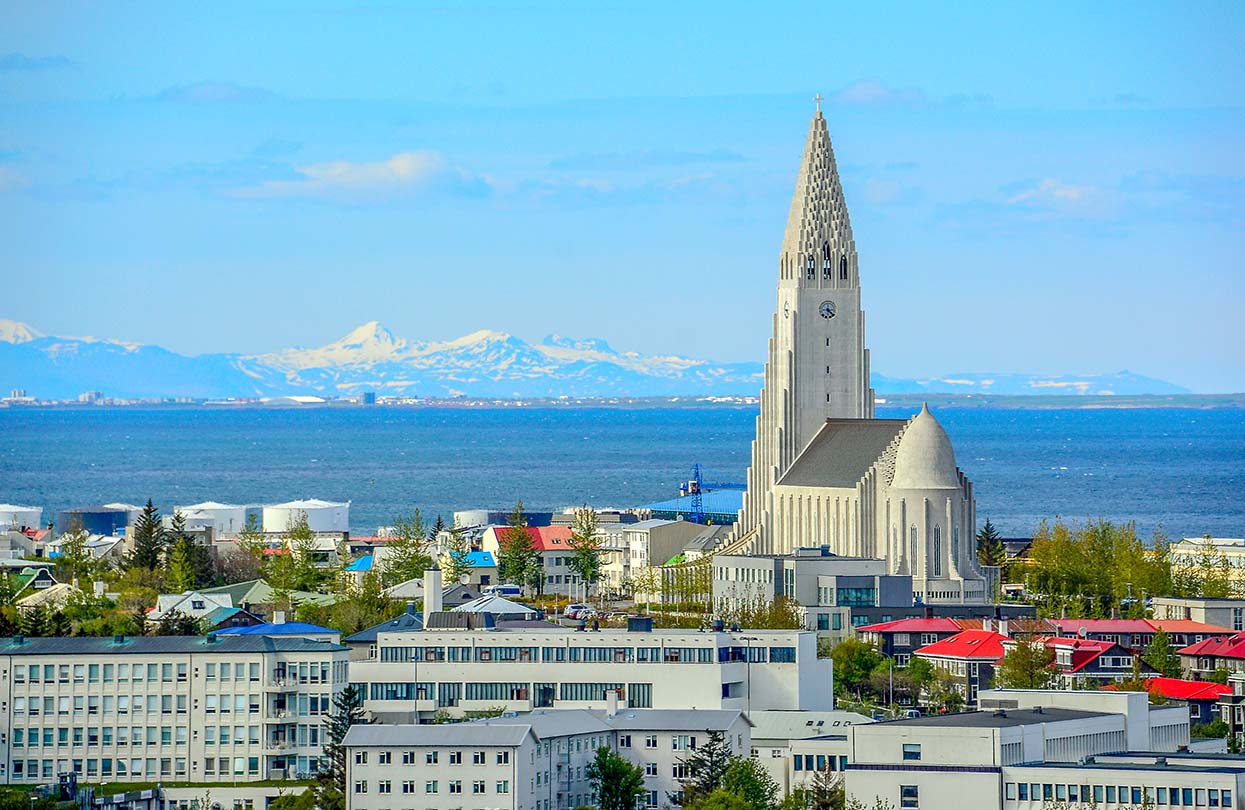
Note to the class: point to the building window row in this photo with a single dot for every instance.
(1136, 795)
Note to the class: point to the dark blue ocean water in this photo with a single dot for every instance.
(1181, 469)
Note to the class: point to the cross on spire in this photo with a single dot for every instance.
(817, 98)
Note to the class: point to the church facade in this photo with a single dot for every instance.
(824, 471)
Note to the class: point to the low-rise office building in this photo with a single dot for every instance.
(1035, 748)
(167, 708)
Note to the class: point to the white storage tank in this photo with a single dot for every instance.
(322, 516)
(17, 517)
(223, 517)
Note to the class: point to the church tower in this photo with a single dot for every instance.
(817, 367)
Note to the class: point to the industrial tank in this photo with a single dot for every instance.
(224, 518)
(19, 517)
(322, 516)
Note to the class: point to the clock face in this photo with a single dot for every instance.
(827, 309)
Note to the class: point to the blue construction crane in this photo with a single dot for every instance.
(695, 486)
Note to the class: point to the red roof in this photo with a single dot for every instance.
(1073, 626)
(1187, 626)
(972, 644)
(38, 535)
(1220, 646)
(1187, 690)
(913, 626)
(544, 538)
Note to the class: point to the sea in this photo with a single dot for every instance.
(1176, 470)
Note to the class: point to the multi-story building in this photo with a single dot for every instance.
(522, 668)
(167, 708)
(1225, 613)
(1192, 551)
(825, 585)
(969, 658)
(532, 761)
(1041, 748)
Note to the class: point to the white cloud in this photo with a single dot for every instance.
(874, 93)
(1051, 192)
(404, 173)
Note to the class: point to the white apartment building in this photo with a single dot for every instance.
(221, 709)
(414, 674)
(532, 761)
(1032, 749)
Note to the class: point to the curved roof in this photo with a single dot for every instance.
(925, 458)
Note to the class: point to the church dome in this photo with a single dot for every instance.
(924, 458)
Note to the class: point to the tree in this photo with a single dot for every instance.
(747, 778)
(434, 533)
(347, 712)
(455, 564)
(198, 568)
(149, 540)
(648, 581)
(990, 550)
(720, 800)
(307, 800)
(301, 542)
(407, 552)
(854, 660)
(705, 766)
(586, 543)
(176, 623)
(1028, 665)
(518, 561)
(181, 576)
(616, 783)
(1163, 657)
(75, 560)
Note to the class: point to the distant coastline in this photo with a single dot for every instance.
(913, 401)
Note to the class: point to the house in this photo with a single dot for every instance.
(1202, 696)
(1183, 632)
(1135, 634)
(51, 598)
(779, 737)
(1086, 662)
(214, 611)
(970, 657)
(1217, 652)
(31, 579)
(482, 569)
(280, 628)
(500, 608)
(259, 592)
(553, 544)
(1227, 613)
(903, 637)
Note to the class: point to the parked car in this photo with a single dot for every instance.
(573, 610)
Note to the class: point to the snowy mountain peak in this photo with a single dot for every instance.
(17, 332)
(369, 335)
(584, 345)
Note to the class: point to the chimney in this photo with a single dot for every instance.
(1003, 627)
(432, 592)
(929, 612)
(987, 625)
(611, 703)
(278, 617)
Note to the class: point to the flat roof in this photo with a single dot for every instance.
(149, 645)
(996, 719)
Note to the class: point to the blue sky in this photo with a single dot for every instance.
(1053, 189)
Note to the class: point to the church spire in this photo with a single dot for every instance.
(817, 248)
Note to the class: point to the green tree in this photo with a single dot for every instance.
(705, 767)
(1163, 657)
(747, 778)
(455, 562)
(434, 533)
(1215, 728)
(11, 799)
(586, 543)
(197, 559)
(854, 661)
(347, 712)
(407, 552)
(990, 550)
(307, 800)
(181, 574)
(518, 561)
(825, 791)
(719, 800)
(1219, 676)
(616, 783)
(176, 623)
(75, 560)
(301, 542)
(1029, 665)
(149, 540)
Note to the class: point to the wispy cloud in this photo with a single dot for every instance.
(11, 179)
(209, 92)
(404, 173)
(15, 62)
(1047, 192)
(646, 159)
(872, 92)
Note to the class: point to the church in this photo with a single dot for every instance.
(824, 471)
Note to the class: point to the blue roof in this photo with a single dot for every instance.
(718, 501)
(411, 620)
(271, 629)
(480, 559)
(364, 563)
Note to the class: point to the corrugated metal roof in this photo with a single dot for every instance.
(671, 719)
(274, 629)
(147, 645)
(443, 734)
(717, 501)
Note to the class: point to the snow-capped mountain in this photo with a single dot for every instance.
(483, 363)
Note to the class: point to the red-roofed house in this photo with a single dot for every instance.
(1217, 652)
(1086, 661)
(970, 657)
(553, 543)
(1135, 634)
(1182, 632)
(1202, 696)
(903, 637)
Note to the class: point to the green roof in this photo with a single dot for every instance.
(259, 592)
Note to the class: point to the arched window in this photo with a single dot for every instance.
(937, 551)
(843, 268)
(912, 542)
(810, 268)
(827, 262)
(955, 544)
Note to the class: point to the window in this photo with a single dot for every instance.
(477, 757)
(384, 757)
(408, 786)
(430, 786)
(624, 740)
(503, 786)
(456, 786)
(456, 757)
(384, 786)
(650, 769)
(360, 786)
(650, 741)
(937, 551)
(477, 787)
(360, 757)
(503, 757)
(430, 758)
(909, 797)
(912, 752)
(843, 276)
(1238, 618)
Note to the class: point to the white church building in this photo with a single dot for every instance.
(824, 471)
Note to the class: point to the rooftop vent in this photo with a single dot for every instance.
(640, 624)
(19, 639)
(118, 639)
